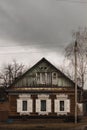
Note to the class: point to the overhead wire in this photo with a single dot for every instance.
(73, 1)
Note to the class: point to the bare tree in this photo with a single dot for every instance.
(11, 72)
(81, 37)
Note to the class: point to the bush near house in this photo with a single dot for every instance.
(3, 94)
(72, 119)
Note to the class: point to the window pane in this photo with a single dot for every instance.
(24, 105)
(43, 105)
(61, 105)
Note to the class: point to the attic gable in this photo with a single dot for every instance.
(43, 73)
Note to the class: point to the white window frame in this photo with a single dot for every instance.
(24, 97)
(62, 97)
(38, 104)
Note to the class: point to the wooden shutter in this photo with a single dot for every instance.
(37, 105)
(57, 105)
(67, 105)
(19, 105)
(48, 103)
(30, 105)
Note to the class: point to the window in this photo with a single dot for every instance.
(61, 105)
(24, 105)
(41, 68)
(43, 105)
(54, 75)
(43, 77)
(38, 76)
(45, 68)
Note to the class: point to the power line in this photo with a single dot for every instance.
(1, 53)
(73, 1)
(60, 45)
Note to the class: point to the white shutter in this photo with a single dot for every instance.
(30, 105)
(67, 105)
(19, 105)
(37, 105)
(57, 105)
(48, 104)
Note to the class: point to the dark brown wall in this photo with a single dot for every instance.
(4, 107)
(13, 104)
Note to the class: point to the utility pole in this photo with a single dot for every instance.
(75, 52)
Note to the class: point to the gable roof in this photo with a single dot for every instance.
(42, 60)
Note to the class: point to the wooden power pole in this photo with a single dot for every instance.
(75, 52)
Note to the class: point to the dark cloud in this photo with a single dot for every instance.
(40, 23)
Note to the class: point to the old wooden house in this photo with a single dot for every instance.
(42, 90)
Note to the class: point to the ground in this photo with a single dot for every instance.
(42, 126)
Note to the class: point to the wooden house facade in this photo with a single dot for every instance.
(42, 90)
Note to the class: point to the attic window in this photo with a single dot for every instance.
(45, 68)
(54, 75)
(41, 68)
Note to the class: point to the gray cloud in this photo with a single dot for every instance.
(40, 23)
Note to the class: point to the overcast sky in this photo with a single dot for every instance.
(32, 29)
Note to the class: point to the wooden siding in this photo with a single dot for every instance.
(13, 104)
(32, 81)
(4, 106)
(30, 78)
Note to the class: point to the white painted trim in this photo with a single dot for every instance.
(24, 113)
(61, 113)
(24, 96)
(66, 106)
(38, 104)
(48, 105)
(43, 113)
(43, 96)
(65, 96)
(19, 105)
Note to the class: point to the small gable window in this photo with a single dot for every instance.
(43, 67)
(54, 75)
